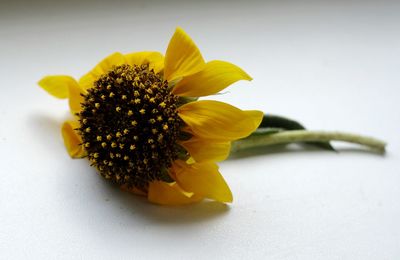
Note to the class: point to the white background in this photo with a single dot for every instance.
(332, 65)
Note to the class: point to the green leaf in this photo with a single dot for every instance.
(285, 124)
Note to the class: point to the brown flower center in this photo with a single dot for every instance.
(130, 126)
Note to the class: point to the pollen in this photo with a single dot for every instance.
(121, 117)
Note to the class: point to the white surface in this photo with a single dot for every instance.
(332, 65)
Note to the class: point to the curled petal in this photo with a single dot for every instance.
(203, 150)
(61, 86)
(103, 67)
(203, 179)
(153, 58)
(58, 85)
(170, 194)
(75, 98)
(219, 121)
(182, 58)
(216, 76)
(72, 139)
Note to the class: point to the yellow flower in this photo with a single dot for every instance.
(138, 121)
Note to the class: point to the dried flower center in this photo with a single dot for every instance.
(129, 126)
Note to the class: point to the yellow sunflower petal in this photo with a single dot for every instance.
(170, 194)
(204, 179)
(58, 85)
(215, 76)
(72, 139)
(61, 86)
(203, 150)
(220, 121)
(155, 59)
(182, 58)
(103, 67)
(75, 98)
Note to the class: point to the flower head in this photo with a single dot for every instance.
(138, 121)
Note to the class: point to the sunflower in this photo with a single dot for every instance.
(138, 120)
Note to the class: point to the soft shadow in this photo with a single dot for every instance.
(363, 151)
(140, 207)
(45, 129)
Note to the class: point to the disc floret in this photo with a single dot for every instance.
(130, 126)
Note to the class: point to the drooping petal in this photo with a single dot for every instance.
(58, 85)
(182, 58)
(220, 121)
(61, 86)
(75, 98)
(72, 139)
(203, 150)
(216, 76)
(204, 179)
(170, 194)
(101, 68)
(153, 58)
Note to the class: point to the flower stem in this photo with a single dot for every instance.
(295, 136)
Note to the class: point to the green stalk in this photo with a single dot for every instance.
(295, 136)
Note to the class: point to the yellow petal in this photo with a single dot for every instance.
(203, 150)
(72, 139)
(170, 194)
(103, 67)
(215, 76)
(204, 179)
(75, 98)
(153, 58)
(220, 121)
(182, 58)
(57, 85)
(64, 87)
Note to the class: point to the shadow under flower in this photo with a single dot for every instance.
(140, 207)
(46, 130)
